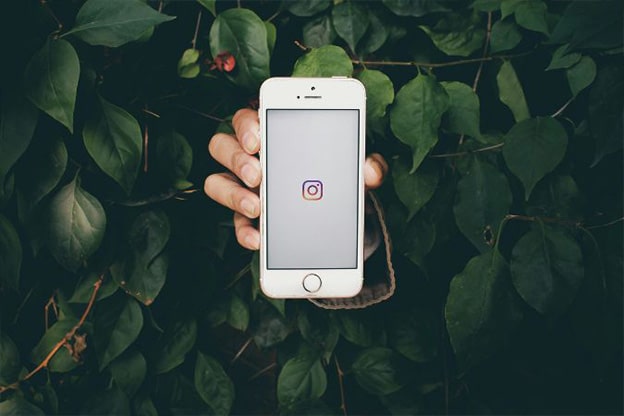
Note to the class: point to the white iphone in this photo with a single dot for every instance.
(312, 193)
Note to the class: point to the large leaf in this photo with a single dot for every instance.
(18, 406)
(505, 36)
(416, 115)
(464, 112)
(213, 384)
(305, 8)
(318, 32)
(416, 337)
(238, 314)
(10, 255)
(379, 93)
(174, 157)
(563, 58)
(76, 223)
(113, 139)
(414, 189)
(84, 290)
(376, 35)
(118, 321)
(319, 331)
(350, 19)
(557, 196)
(115, 22)
(547, 269)
(62, 361)
(378, 371)
(143, 269)
(356, 329)
(510, 91)
(530, 14)
(480, 309)
(326, 61)
(533, 148)
(416, 8)
(210, 5)
(243, 34)
(128, 371)
(456, 34)
(10, 361)
(606, 111)
(581, 75)
(178, 341)
(51, 80)
(302, 378)
(18, 119)
(482, 201)
(112, 401)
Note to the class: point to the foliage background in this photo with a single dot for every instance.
(122, 289)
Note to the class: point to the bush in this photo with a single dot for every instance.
(122, 289)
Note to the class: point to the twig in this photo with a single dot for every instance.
(151, 113)
(241, 351)
(562, 109)
(199, 113)
(488, 35)
(146, 148)
(194, 41)
(528, 218)
(273, 16)
(483, 149)
(439, 64)
(23, 303)
(261, 372)
(45, 5)
(593, 227)
(46, 310)
(301, 46)
(343, 401)
(445, 365)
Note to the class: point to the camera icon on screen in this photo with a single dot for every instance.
(312, 190)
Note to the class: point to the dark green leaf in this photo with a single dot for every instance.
(302, 378)
(581, 75)
(51, 80)
(533, 148)
(128, 371)
(480, 310)
(456, 34)
(326, 61)
(505, 36)
(76, 224)
(511, 93)
(318, 32)
(114, 141)
(174, 157)
(305, 8)
(482, 201)
(10, 255)
(414, 189)
(143, 406)
(376, 35)
(530, 14)
(379, 93)
(10, 361)
(108, 402)
(271, 35)
(350, 20)
(416, 115)
(83, 291)
(416, 8)
(557, 196)
(243, 34)
(7, 185)
(113, 23)
(563, 58)
(178, 342)
(464, 112)
(319, 331)
(606, 109)
(213, 384)
(270, 328)
(547, 269)
(486, 5)
(377, 371)
(118, 322)
(238, 314)
(210, 5)
(415, 336)
(62, 361)
(418, 237)
(18, 119)
(356, 330)
(18, 406)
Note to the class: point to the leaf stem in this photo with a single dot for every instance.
(343, 401)
(47, 7)
(197, 25)
(439, 64)
(241, 350)
(199, 113)
(562, 109)
(475, 83)
(593, 227)
(483, 149)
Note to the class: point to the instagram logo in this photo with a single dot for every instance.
(312, 190)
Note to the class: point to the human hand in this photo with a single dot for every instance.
(237, 154)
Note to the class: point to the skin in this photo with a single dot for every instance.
(237, 189)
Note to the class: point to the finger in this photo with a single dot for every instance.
(226, 150)
(247, 128)
(224, 189)
(375, 170)
(246, 234)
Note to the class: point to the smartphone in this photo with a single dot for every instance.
(312, 192)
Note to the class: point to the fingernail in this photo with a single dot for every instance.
(250, 142)
(250, 175)
(369, 171)
(252, 241)
(248, 207)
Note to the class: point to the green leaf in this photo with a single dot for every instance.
(128, 371)
(534, 148)
(416, 115)
(174, 157)
(319, 331)
(563, 58)
(51, 80)
(305, 8)
(350, 20)
(10, 361)
(210, 5)
(557, 196)
(84, 290)
(414, 189)
(271, 36)
(179, 340)
(18, 406)
(112, 401)
(456, 34)
(376, 35)
(242, 33)
(18, 119)
(113, 139)
(238, 314)
(118, 322)
(530, 14)
(486, 5)
(40, 171)
(270, 327)
(144, 406)
(187, 65)
(482, 201)
(10, 255)
(302, 378)
(415, 8)
(505, 36)
(62, 361)
(415, 336)
(480, 310)
(76, 224)
(606, 106)
(581, 75)
(379, 93)
(114, 23)
(326, 61)
(213, 384)
(511, 93)
(7, 185)
(547, 269)
(377, 370)
(464, 112)
(415, 249)
(143, 270)
(318, 32)
(356, 330)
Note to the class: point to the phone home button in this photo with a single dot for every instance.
(312, 283)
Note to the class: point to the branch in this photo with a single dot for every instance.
(570, 223)
(241, 351)
(45, 5)
(439, 64)
(606, 224)
(343, 401)
(562, 109)
(483, 149)
(194, 41)
(485, 49)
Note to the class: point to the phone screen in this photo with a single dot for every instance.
(312, 188)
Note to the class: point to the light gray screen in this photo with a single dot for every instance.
(305, 230)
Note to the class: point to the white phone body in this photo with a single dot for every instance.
(312, 154)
